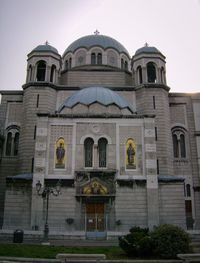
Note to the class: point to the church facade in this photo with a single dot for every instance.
(105, 127)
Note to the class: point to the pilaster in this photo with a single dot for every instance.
(151, 174)
(39, 172)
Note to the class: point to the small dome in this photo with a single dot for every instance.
(45, 48)
(102, 95)
(147, 49)
(96, 40)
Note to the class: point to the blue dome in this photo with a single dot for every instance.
(45, 48)
(90, 95)
(147, 49)
(96, 40)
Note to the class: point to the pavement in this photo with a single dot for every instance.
(67, 242)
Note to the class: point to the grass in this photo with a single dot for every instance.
(34, 251)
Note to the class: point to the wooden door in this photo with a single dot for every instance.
(95, 217)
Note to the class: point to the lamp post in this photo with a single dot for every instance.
(45, 193)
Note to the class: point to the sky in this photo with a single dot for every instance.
(172, 26)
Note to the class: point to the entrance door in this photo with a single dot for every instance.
(95, 220)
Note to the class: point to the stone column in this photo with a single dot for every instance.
(144, 75)
(96, 156)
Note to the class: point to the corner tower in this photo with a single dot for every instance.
(148, 67)
(43, 68)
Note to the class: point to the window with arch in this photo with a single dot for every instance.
(130, 154)
(52, 75)
(139, 74)
(9, 144)
(99, 59)
(122, 63)
(93, 58)
(188, 190)
(126, 65)
(41, 71)
(102, 150)
(12, 142)
(151, 72)
(88, 145)
(179, 148)
(68, 63)
(16, 143)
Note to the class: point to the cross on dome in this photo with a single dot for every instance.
(96, 32)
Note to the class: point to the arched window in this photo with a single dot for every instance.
(139, 73)
(182, 145)
(41, 71)
(102, 145)
(99, 59)
(93, 59)
(175, 146)
(52, 75)
(70, 63)
(188, 190)
(126, 65)
(30, 73)
(151, 72)
(88, 144)
(67, 65)
(122, 63)
(178, 138)
(9, 144)
(16, 143)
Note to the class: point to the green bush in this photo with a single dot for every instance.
(137, 243)
(169, 240)
(165, 241)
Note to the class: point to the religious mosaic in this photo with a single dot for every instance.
(60, 154)
(130, 154)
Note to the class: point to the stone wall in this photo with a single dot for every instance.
(131, 207)
(17, 213)
(96, 78)
(172, 204)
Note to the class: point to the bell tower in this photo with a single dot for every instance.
(43, 67)
(148, 65)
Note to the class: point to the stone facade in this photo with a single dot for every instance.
(126, 152)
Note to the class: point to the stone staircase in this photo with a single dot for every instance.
(195, 243)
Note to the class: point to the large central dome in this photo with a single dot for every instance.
(97, 40)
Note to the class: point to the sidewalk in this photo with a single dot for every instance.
(68, 242)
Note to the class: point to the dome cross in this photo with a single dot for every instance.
(96, 32)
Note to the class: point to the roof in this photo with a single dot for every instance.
(96, 40)
(90, 95)
(45, 48)
(21, 176)
(147, 49)
(169, 178)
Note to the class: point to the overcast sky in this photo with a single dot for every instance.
(172, 26)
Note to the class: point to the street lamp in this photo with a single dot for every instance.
(45, 193)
